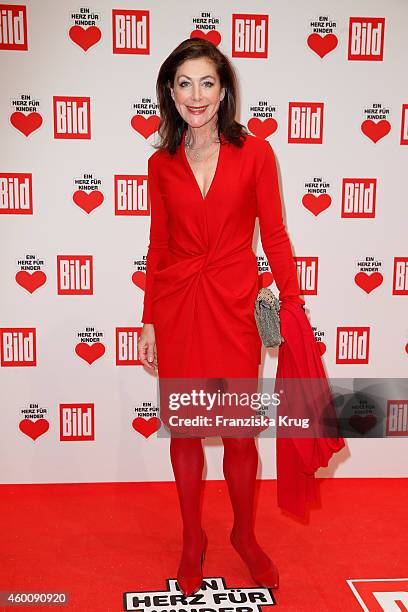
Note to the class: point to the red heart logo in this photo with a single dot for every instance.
(212, 35)
(322, 347)
(146, 126)
(146, 427)
(26, 123)
(265, 279)
(88, 200)
(31, 280)
(262, 127)
(362, 424)
(316, 204)
(406, 348)
(139, 279)
(322, 45)
(375, 131)
(85, 37)
(34, 429)
(368, 282)
(90, 352)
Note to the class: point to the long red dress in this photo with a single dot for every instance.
(201, 270)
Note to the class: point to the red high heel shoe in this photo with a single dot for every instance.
(269, 578)
(190, 584)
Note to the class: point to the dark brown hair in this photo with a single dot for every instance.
(172, 124)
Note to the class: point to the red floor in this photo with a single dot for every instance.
(97, 541)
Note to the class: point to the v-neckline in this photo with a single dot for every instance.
(183, 153)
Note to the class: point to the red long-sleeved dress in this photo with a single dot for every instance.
(201, 285)
(201, 270)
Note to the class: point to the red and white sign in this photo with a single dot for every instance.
(307, 268)
(404, 125)
(352, 345)
(16, 193)
(381, 595)
(13, 27)
(131, 195)
(400, 276)
(249, 35)
(397, 418)
(77, 422)
(126, 345)
(305, 122)
(358, 197)
(131, 31)
(72, 117)
(74, 274)
(366, 38)
(18, 346)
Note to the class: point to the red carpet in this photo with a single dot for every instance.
(97, 541)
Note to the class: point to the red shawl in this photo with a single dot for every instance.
(297, 459)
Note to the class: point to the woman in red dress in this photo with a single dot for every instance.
(208, 181)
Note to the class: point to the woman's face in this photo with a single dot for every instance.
(197, 91)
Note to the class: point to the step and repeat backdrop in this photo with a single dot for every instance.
(324, 82)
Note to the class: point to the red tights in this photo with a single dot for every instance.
(240, 465)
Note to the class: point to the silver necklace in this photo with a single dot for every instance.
(198, 156)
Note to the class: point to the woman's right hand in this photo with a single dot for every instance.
(146, 347)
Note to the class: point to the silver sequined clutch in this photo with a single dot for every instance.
(266, 312)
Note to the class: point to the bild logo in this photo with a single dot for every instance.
(305, 122)
(380, 595)
(126, 346)
(400, 276)
(77, 422)
(74, 275)
(72, 117)
(16, 193)
(366, 38)
(249, 35)
(131, 31)
(13, 27)
(307, 268)
(18, 346)
(397, 418)
(213, 596)
(404, 125)
(131, 195)
(358, 197)
(352, 345)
